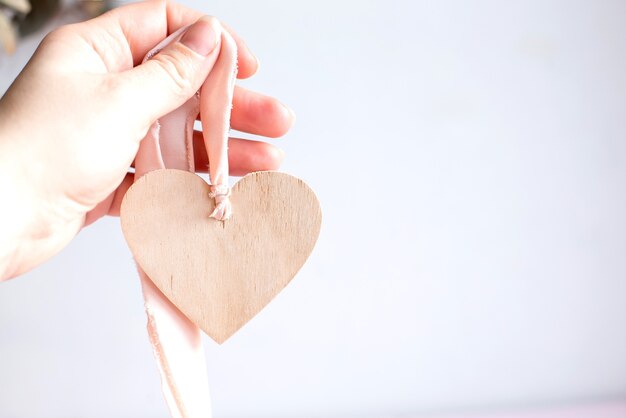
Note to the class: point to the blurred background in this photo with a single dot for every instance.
(470, 158)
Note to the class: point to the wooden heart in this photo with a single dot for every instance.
(220, 274)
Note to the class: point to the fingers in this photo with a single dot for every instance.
(244, 157)
(258, 114)
(172, 76)
(136, 28)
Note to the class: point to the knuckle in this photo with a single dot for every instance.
(178, 69)
(59, 34)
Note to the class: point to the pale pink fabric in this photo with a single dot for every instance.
(175, 340)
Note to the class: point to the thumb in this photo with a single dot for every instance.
(172, 76)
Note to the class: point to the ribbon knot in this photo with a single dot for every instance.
(223, 208)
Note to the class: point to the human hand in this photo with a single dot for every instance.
(71, 123)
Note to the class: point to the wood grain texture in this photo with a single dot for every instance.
(220, 274)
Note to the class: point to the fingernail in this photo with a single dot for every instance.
(201, 37)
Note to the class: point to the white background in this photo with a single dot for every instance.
(470, 158)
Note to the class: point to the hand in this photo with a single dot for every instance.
(71, 123)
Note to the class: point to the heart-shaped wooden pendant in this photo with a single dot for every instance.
(220, 274)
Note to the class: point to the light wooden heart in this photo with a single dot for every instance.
(220, 274)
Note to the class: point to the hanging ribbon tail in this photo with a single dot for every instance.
(176, 341)
(216, 98)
